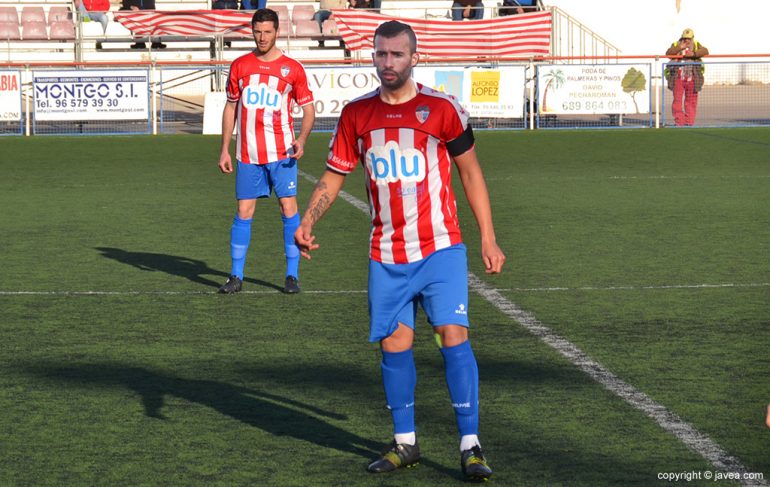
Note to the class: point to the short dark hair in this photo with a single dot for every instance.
(393, 28)
(265, 15)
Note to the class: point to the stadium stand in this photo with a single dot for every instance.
(60, 24)
(284, 20)
(302, 12)
(59, 14)
(32, 23)
(34, 31)
(329, 28)
(306, 28)
(9, 31)
(8, 14)
(32, 14)
(80, 41)
(62, 30)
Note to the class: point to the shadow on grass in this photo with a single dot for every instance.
(175, 265)
(277, 415)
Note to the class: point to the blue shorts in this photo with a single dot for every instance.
(438, 283)
(254, 181)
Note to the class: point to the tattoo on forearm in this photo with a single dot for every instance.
(323, 203)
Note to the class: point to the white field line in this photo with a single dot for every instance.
(637, 288)
(668, 420)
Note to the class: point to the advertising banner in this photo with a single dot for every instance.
(488, 93)
(10, 96)
(333, 88)
(492, 93)
(593, 89)
(91, 95)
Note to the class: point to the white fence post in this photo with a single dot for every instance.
(154, 94)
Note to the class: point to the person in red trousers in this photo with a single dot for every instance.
(684, 76)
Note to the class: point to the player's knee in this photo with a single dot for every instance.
(450, 335)
(288, 207)
(399, 341)
(246, 209)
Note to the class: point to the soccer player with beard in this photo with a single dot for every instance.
(261, 88)
(406, 136)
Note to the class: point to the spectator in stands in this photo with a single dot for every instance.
(325, 10)
(95, 10)
(141, 5)
(253, 4)
(467, 9)
(512, 7)
(224, 5)
(684, 76)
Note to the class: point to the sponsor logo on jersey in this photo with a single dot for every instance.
(259, 96)
(422, 113)
(390, 163)
(342, 163)
(411, 191)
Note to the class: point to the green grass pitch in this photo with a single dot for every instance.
(119, 365)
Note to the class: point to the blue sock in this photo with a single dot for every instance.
(399, 376)
(462, 378)
(290, 225)
(240, 235)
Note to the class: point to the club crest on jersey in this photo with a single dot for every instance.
(422, 113)
(390, 163)
(285, 71)
(261, 96)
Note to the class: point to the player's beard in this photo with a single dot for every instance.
(398, 82)
(263, 51)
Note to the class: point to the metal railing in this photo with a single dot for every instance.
(582, 93)
(572, 38)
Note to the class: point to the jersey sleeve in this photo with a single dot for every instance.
(301, 90)
(233, 90)
(343, 148)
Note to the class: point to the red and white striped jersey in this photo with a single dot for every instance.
(265, 92)
(407, 166)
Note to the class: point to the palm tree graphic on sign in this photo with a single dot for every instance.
(555, 79)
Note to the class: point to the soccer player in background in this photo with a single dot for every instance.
(261, 87)
(406, 136)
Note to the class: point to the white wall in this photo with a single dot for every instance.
(650, 26)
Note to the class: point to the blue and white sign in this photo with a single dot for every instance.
(91, 95)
